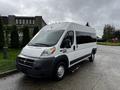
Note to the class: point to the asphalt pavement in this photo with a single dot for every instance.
(102, 74)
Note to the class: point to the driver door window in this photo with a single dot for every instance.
(69, 37)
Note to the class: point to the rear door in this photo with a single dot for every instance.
(82, 46)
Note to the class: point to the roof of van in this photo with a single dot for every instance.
(68, 26)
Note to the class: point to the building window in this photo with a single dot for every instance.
(30, 21)
(20, 21)
(16, 21)
(33, 22)
(26, 21)
(23, 21)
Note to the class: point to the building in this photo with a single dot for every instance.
(21, 21)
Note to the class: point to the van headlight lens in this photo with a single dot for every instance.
(48, 52)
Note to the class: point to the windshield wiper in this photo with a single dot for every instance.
(38, 44)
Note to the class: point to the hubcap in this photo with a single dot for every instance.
(61, 71)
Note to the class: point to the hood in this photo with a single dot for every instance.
(32, 51)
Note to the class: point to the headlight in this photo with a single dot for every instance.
(48, 52)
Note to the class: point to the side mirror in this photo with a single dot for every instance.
(67, 43)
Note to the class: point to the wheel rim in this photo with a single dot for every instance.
(61, 71)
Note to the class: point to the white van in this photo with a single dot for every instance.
(56, 48)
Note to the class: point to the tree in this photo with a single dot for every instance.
(108, 32)
(117, 34)
(87, 24)
(36, 29)
(26, 36)
(1, 34)
(14, 37)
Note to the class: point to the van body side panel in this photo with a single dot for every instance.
(79, 59)
(83, 51)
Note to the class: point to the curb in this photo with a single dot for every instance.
(10, 72)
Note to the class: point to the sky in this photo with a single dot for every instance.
(96, 12)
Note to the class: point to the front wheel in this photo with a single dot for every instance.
(59, 71)
(92, 57)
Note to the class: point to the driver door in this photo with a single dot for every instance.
(69, 51)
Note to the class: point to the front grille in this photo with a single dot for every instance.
(25, 62)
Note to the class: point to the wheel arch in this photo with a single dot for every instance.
(62, 58)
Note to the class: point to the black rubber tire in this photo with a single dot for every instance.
(55, 74)
(92, 57)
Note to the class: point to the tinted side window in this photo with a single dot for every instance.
(84, 37)
(69, 35)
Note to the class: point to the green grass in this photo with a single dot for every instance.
(109, 43)
(8, 64)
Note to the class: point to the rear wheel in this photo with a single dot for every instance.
(92, 57)
(59, 71)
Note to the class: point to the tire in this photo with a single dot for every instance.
(92, 57)
(59, 71)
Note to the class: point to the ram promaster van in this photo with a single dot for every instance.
(56, 48)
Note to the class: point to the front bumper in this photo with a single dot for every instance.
(43, 67)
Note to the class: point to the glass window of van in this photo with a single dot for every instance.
(69, 36)
(84, 37)
(46, 38)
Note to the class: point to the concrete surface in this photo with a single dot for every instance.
(103, 74)
(9, 72)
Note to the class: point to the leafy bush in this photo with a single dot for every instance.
(14, 37)
(1, 34)
(26, 36)
(36, 29)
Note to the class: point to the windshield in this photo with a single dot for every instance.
(46, 38)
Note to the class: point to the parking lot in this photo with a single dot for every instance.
(102, 74)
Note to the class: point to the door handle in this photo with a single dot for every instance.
(74, 47)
